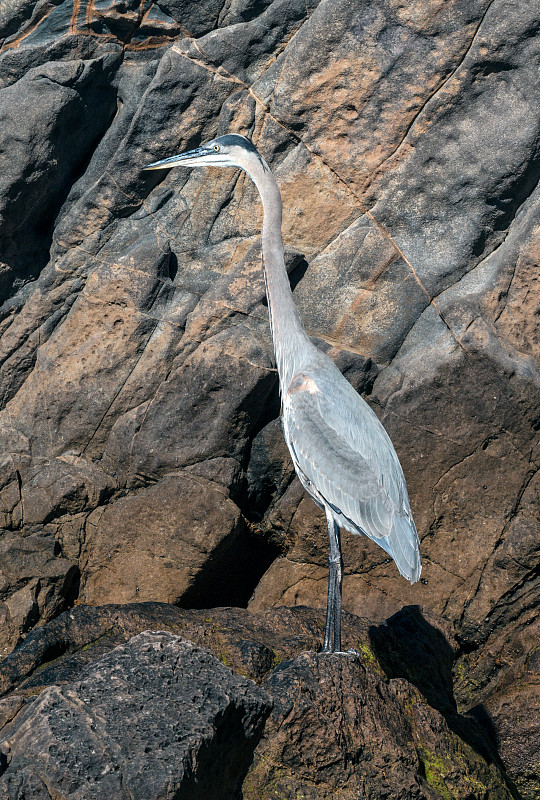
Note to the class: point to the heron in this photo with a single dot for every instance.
(340, 450)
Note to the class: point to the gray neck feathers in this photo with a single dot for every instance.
(291, 342)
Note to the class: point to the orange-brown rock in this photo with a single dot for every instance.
(176, 542)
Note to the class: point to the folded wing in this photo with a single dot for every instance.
(346, 460)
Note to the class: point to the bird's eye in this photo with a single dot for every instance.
(216, 148)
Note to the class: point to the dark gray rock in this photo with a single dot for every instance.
(50, 121)
(36, 583)
(251, 644)
(155, 718)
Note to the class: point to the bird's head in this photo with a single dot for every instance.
(231, 150)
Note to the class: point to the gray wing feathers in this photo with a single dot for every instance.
(343, 452)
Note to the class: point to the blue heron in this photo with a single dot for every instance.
(341, 453)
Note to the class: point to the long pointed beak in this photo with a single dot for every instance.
(181, 159)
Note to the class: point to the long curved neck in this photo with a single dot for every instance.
(288, 332)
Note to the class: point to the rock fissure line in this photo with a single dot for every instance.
(383, 230)
(526, 456)
(217, 21)
(146, 410)
(45, 12)
(412, 424)
(457, 464)
(504, 295)
(220, 71)
(132, 370)
(461, 580)
(504, 601)
(513, 512)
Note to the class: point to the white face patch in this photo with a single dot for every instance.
(302, 383)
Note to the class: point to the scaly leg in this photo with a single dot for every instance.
(332, 632)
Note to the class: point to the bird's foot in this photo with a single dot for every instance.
(351, 652)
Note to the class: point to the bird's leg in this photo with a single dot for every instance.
(337, 593)
(329, 627)
(332, 632)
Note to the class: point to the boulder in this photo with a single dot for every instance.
(182, 541)
(338, 728)
(251, 644)
(156, 717)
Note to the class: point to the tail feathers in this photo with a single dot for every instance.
(404, 547)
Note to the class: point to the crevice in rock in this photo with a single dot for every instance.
(123, 384)
(232, 571)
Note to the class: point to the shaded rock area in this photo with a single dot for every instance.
(141, 456)
(35, 584)
(378, 721)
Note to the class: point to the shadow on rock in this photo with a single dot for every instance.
(231, 573)
(412, 645)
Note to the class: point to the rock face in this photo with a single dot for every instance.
(140, 449)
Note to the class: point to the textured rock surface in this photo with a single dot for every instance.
(381, 740)
(138, 389)
(380, 723)
(156, 717)
(252, 644)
